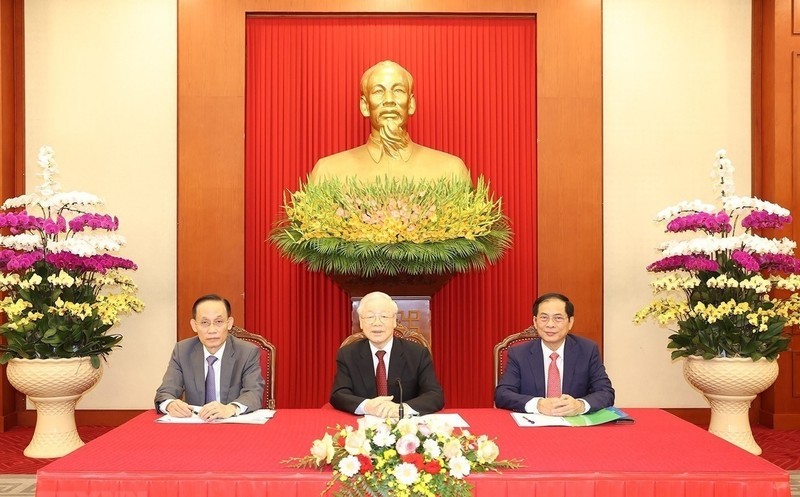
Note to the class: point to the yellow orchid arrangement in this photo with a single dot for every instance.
(392, 227)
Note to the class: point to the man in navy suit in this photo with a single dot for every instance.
(355, 388)
(577, 379)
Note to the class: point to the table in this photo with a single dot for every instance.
(660, 455)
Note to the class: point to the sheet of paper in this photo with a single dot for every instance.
(453, 419)
(258, 417)
(607, 415)
(533, 420)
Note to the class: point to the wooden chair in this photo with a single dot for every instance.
(400, 331)
(267, 362)
(501, 349)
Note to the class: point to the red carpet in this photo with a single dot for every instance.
(14, 441)
(781, 447)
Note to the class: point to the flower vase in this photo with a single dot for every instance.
(730, 384)
(54, 386)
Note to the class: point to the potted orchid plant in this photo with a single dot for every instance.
(728, 292)
(63, 293)
(716, 285)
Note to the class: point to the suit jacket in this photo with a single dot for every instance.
(410, 362)
(240, 378)
(584, 376)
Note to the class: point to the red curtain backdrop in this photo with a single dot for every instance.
(475, 85)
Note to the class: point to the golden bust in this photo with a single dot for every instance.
(387, 99)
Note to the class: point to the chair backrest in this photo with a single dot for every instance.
(501, 349)
(400, 331)
(267, 362)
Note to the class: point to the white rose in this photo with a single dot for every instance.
(354, 443)
(452, 449)
(487, 451)
(323, 450)
(407, 426)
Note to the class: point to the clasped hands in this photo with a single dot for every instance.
(213, 410)
(382, 406)
(565, 405)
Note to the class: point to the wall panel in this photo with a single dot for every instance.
(211, 66)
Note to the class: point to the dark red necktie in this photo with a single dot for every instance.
(553, 378)
(380, 374)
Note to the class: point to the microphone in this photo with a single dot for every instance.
(401, 410)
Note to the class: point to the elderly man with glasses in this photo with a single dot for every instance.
(218, 375)
(368, 371)
(557, 374)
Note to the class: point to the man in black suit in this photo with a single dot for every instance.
(360, 376)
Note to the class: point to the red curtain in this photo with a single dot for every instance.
(475, 85)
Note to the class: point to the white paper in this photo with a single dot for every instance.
(531, 420)
(453, 419)
(258, 417)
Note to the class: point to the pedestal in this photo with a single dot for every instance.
(54, 386)
(730, 384)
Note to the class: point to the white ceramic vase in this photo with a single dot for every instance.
(54, 386)
(730, 384)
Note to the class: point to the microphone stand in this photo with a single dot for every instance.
(401, 410)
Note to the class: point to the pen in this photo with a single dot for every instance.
(529, 420)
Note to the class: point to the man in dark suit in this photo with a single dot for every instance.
(557, 374)
(235, 384)
(368, 370)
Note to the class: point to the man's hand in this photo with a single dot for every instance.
(382, 407)
(565, 405)
(217, 410)
(179, 409)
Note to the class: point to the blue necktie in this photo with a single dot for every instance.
(211, 390)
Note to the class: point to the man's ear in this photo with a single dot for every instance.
(362, 104)
(230, 323)
(194, 325)
(412, 105)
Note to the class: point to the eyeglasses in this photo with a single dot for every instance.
(557, 319)
(206, 324)
(377, 317)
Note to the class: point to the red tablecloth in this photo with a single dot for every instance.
(659, 455)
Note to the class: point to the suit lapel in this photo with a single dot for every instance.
(198, 369)
(396, 365)
(570, 354)
(226, 374)
(536, 365)
(366, 369)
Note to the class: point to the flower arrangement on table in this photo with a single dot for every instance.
(716, 284)
(63, 290)
(393, 227)
(406, 458)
